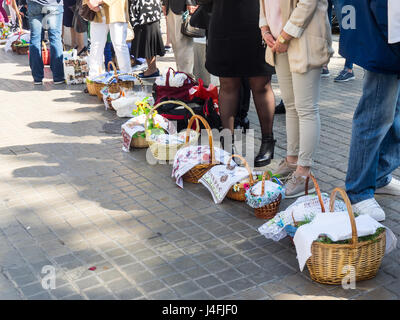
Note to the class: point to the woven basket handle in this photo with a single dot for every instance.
(317, 190)
(209, 132)
(245, 164)
(167, 102)
(110, 63)
(264, 177)
(346, 200)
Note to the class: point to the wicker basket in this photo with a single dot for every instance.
(328, 261)
(317, 191)
(93, 87)
(116, 88)
(139, 142)
(270, 210)
(240, 195)
(22, 49)
(194, 174)
(166, 152)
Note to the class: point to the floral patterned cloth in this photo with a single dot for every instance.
(188, 157)
(305, 207)
(219, 179)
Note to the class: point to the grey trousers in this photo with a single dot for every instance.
(182, 45)
(300, 93)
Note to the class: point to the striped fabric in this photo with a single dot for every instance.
(48, 2)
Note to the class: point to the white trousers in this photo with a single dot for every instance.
(13, 14)
(98, 38)
(182, 45)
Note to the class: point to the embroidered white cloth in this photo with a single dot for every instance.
(175, 80)
(188, 157)
(173, 139)
(127, 103)
(135, 125)
(303, 208)
(394, 21)
(337, 226)
(219, 179)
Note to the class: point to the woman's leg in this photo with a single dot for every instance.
(264, 100)
(228, 101)
(118, 32)
(292, 120)
(98, 38)
(151, 66)
(306, 89)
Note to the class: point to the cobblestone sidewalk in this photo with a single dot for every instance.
(71, 199)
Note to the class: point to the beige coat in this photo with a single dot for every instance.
(114, 10)
(307, 21)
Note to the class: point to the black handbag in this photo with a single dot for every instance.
(86, 13)
(188, 30)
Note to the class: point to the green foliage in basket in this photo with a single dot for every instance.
(143, 107)
(327, 240)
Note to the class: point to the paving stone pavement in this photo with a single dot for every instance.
(71, 199)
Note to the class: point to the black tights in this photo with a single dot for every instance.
(263, 97)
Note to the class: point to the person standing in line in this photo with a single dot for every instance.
(145, 16)
(375, 139)
(181, 44)
(3, 13)
(77, 38)
(48, 15)
(235, 51)
(298, 36)
(347, 73)
(111, 15)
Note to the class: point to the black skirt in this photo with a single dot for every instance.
(234, 46)
(148, 41)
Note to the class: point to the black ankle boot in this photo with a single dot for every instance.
(243, 124)
(266, 152)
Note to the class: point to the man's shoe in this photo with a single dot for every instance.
(285, 169)
(344, 76)
(280, 108)
(392, 188)
(38, 83)
(325, 73)
(59, 82)
(296, 186)
(370, 207)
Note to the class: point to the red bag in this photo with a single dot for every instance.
(45, 54)
(167, 92)
(204, 93)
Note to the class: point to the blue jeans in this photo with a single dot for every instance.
(338, 4)
(375, 141)
(50, 18)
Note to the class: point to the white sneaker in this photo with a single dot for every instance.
(392, 188)
(370, 207)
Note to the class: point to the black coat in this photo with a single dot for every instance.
(178, 6)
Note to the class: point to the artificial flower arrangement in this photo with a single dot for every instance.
(4, 32)
(258, 177)
(143, 108)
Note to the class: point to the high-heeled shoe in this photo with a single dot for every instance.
(266, 153)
